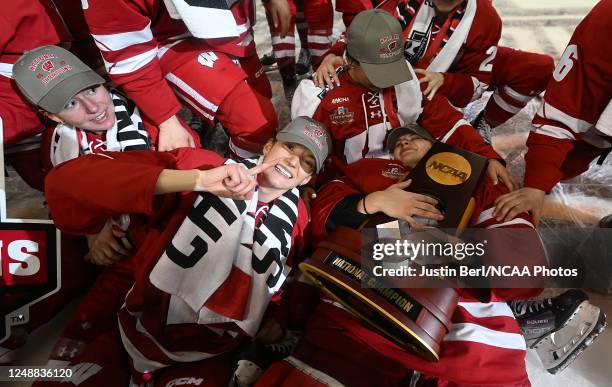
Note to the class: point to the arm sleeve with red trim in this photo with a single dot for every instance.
(441, 119)
(83, 193)
(575, 98)
(123, 34)
(474, 70)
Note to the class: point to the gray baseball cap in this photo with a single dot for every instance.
(375, 40)
(49, 76)
(410, 129)
(309, 133)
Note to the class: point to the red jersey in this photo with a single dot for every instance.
(360, 120)
(486, 334)
(575, 101)
(26, 25)
(114, 183)
(133, 35)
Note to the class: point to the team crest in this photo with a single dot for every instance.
(342, 116)
(47, 66)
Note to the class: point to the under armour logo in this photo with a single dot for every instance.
(376, 114)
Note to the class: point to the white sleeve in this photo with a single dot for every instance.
(306, 99)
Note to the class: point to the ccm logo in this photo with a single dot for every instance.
(22, 260)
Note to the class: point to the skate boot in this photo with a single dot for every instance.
(559, 349)
(258, 357)
(482, 126)
(539, 318)
(547, 325)
(303, 63)
(268, 59)
(289, 85)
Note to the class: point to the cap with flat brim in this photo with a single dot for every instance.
(57, 98)
(387, 74)
(401, 131)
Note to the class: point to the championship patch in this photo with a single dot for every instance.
(342, 116)
(393, 172)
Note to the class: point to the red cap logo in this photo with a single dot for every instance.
(47, 66)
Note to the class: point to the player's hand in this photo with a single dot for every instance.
(434, 81)
(269, 332)
(326, 73)
(508, 206)
(231, 180)
(403, 205)
(497, 172)
(281, 16)
(108, 246)
(172, 135)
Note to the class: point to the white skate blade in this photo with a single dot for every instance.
(559, 349)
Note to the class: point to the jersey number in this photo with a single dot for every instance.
(487, 64)
(566, 62)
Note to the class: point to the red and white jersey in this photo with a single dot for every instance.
(360, 120)
(25, 25)
(471, 68)
(133, 36)
(577, 104)
(520, 248)
(129, 179)
(484, 337)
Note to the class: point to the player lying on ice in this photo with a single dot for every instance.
(206, 265)
(484, 337)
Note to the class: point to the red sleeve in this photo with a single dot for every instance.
(327, 198)
(473, 71)
(575, 98)
(123, 34)
(83, 193)
(446, 123)
(248, 116)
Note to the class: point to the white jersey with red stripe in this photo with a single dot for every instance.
(133, 35)
(577, 104)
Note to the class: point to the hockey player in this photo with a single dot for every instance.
(196, 252)
(379, 91)
(453, 45)
(154, 57)
(486, 334)
(24, 26)
(318, 17)
(573, 126)
(90, 118)
(484, 345)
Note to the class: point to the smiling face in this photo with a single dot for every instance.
(410, 149)
(91, 109)
(294, 166)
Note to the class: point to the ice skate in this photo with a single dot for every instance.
(562, 347)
